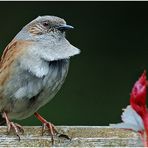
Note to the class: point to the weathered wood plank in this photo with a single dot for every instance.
(81, 136)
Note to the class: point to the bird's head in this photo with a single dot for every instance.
(48, 25)
(48, 32)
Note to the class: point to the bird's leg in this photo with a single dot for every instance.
(11, 125)
(47, 124)
(52, 129)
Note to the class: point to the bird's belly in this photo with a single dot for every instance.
(41, 92)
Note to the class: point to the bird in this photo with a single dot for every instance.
(33, 67)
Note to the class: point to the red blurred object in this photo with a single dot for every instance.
(138, 103)
(138, 96)
(135, 116)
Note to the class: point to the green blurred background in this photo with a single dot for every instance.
(113, 38)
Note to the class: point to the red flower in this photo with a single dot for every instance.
(135, 116)
(138, 96)
(138, 103)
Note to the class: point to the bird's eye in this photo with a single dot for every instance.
(45, 24)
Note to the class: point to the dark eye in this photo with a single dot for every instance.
(45, 24)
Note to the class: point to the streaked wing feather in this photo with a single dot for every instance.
(11, 52)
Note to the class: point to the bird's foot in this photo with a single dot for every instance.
(11, 125)
(51, 128)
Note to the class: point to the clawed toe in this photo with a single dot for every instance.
(53, 131)
(51, 128)
(14, 126)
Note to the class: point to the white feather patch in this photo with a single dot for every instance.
(131, 120)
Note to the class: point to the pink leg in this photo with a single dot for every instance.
(11, 125)
(52, 130)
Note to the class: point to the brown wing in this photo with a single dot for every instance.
(11, 52)
(13, 49)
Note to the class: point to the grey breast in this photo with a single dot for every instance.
(52, 82)
(46, 88)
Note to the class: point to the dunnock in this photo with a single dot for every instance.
(33, 67)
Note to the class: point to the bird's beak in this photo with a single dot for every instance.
(64, 27)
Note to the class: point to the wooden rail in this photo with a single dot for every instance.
(90, 136)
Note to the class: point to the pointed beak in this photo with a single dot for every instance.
(64, 27)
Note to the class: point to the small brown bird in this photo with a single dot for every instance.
(33, 67)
